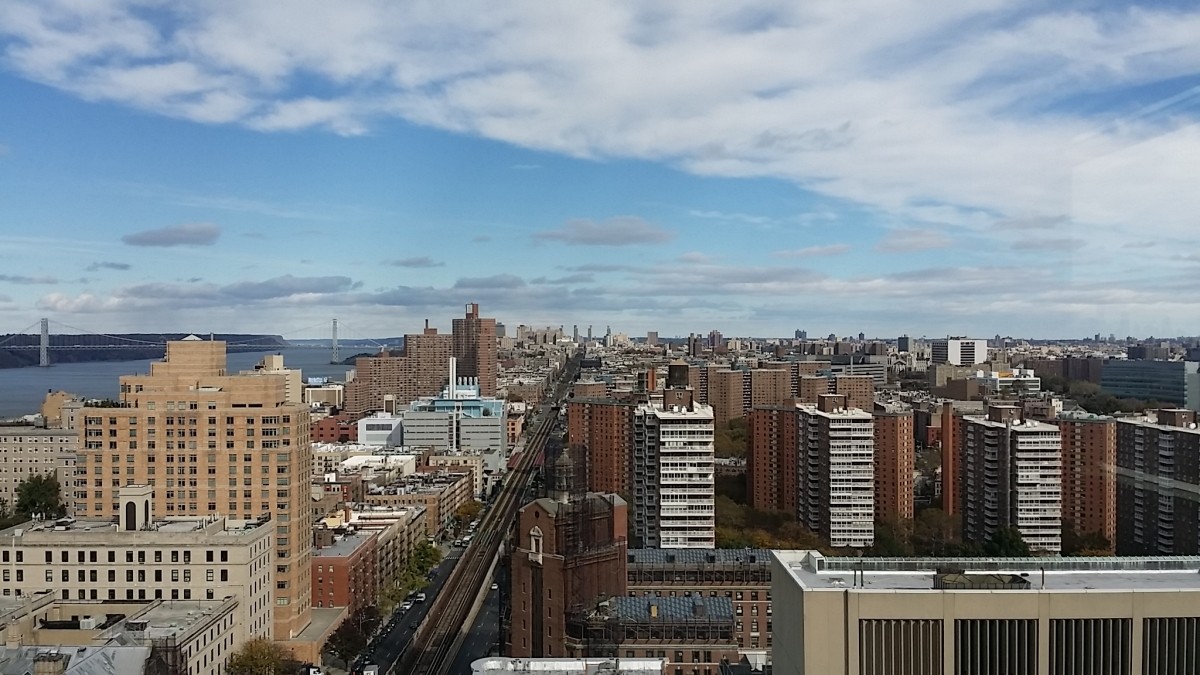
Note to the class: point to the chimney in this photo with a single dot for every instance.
(50, 663)
(453, 376)
(653, 610)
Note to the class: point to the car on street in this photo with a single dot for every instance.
(495, 586)
(415, 625)
(405, 606)
(420, 597)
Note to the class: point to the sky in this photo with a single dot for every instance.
(930, 167)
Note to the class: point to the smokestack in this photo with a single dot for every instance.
(453, 376)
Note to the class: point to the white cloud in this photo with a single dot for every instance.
(618, 231)
(186, 234)
(813, 251)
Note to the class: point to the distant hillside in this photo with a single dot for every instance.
(88, 348)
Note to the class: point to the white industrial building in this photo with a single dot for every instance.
(959, 351)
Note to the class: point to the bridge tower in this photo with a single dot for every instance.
(334, 357)
(44, 345)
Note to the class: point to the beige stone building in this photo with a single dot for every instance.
(27, 451)
(143, 558)
(1035, 616)
(439, 493)
(293, 382)
(209, 443)
(460, 462)
(49, 635)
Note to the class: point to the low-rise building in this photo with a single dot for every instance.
(495, 665)
(440, 493)
(694, 632)
(27, 451)
(345, 569)
(459, 461)
(741, 575)
(142, 558)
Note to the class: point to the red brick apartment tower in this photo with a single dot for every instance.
(771, 458)
(475, 348)
(570, 554)
(894, 463)
(420, 370)
(1089, 482)
(601, 429)
(950, 455)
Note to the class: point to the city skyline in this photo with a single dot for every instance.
(957, 169)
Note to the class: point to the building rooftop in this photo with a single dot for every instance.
(699, 556)
(812, 570)
(343, 546)
(79, 660)
(34, 532)
(173, 618)
(552, 666)
(1017, 425)
(694, 608)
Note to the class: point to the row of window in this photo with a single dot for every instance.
(92, 556)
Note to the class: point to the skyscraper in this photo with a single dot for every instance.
(673, 485)
(475, 348)
(209, 443)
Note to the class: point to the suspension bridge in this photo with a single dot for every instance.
(45, 342)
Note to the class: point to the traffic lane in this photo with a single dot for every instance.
(483, 636)
(389, 648)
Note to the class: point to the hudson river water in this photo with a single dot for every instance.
(22, 389)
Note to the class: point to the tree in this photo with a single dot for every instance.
(468, 511)
(40, 494)
(1007, 542)
(893, 539)
(1075, 542)
(730, 439)
(935, 533)
(262, 657)
(351, 638)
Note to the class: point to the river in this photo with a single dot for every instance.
(23, 389)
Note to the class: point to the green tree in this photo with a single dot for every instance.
(350, 638)
(730, 439)
(1075, 542)
(40, 494)
(262, 657)
(935, 533)
(893, 539)
(1007, 542)
(468, 511)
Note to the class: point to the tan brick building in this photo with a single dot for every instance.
(895, 458)
(27, 451)
(420, 369)
(209, 443)
(1089, 477)
(475, 348)
(725, 394)
(440, 493)
(603, 428)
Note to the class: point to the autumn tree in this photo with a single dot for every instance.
(262, 657)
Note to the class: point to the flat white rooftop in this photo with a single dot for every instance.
(813, 571)
(552, 666)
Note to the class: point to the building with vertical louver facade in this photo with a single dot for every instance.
(980, 616)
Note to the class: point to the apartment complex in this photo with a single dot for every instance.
(672, 463)
(142, 557)
(27, 451)
(440, 493)
(741, 575)
(475, 348)
(420, 369)
(1089, 476)
(895, 461)
(835, 476)
(772, 444)
(1158, 484)
(208, 443)
(1011, 476)
(603, 430)
(345, 569)
(1036, 616)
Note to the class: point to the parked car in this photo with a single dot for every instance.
(495, 586)
(420, 597)
(405, 606)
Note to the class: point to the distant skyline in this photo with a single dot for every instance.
(929, 168)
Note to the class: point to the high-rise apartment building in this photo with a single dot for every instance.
(895, 458)
(766, 387)
(1011, 477)
(726, 394)
(209, 443)
(602, 429)
(475, 348)
(950, 434)
(772, 441)
(959, 351)
(1158, 484)
(835, 472)
(419, 370)
(1089, 477)
(672, 464)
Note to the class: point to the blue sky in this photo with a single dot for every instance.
(910, 167)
